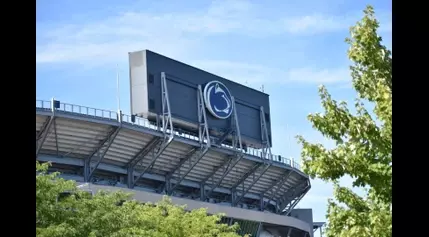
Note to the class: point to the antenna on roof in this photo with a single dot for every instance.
(262, 88)
(117, 88)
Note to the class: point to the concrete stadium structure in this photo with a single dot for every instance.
(111, 150)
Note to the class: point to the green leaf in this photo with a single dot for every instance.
(363, 146)
(101, 216)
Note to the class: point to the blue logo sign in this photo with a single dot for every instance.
(218, 99)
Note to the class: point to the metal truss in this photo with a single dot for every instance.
(167, 122)
(275, 188)
(227, 167)
(231, 161)
(233, 130)
(100, 152)
(287, 204)
(192, 161)
(137, 159)
(266, 149)
(196, 154)
(261, 169)
(156, 146)
(203, 129)
(295, 201)
(236, 135)
(156, 153)
(46, 130)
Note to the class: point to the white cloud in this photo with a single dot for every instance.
(175, 34)
(254, 75)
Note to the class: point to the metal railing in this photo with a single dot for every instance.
(142, 122)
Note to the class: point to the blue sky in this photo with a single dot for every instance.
(290, 47)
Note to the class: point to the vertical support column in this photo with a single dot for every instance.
(266, 149)
(236, 141)
(233, 194)
(202, 191)
(167, 184)
(86, 170)
(130, 177)
(261, 203)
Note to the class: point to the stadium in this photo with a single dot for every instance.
(199, 138)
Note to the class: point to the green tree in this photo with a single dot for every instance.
(114, 214)
(363, 148)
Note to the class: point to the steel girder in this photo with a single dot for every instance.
(286, 203)
(194, 157)
(100, 152)
(188, 155)
(235, 129)
(275, 187)
(43, 134)
(195, 154)
(56, 137)
(263, 167)
(161, 147)
(295, 201)
(266, 150)
(227, 166)
(231, 161)
(144, 151)
(136, 160)
(247, 174)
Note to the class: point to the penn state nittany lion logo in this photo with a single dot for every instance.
(218, 99)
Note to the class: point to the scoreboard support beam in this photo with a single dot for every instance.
(235, 126)
(167, 130)
(266, 149)
(234, 130)
(196, 154)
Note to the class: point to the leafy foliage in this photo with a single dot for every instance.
(114, 214)
(363, 145)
